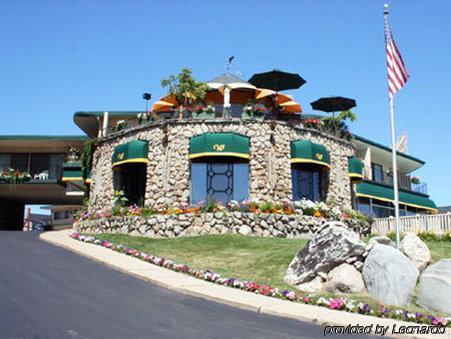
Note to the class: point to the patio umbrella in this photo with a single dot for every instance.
(277, 80)
(228, 82)
(333, 104)
(291, 107)
(272, 98)
(164, 103)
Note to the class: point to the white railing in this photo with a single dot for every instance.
(434, 223)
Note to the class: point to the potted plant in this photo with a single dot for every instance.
(415, 180)
(120, 125)
(143, 117)
(253, 111)
(185, 89)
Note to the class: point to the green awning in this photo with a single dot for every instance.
(135, 151)
(355, 168)
(219, 144)
(384, 193)
(72, 171)
(305, 151)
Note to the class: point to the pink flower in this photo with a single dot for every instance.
(336, 304)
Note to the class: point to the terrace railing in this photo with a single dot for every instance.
(434, 223)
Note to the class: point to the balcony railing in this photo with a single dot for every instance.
(405, 183)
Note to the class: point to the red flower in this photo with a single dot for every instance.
(265, 290)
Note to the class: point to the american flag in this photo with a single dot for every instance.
(397, 71)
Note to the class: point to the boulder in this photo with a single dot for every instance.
(345, 278)
(382, 240)
(389, 275)
(312, 286)
(435, 287)
(416, 250)
(331, 246)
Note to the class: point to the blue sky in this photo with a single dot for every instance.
(61, 57)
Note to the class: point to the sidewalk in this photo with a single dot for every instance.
(189, 285)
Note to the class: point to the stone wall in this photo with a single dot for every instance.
(266, 225)
(168, 169)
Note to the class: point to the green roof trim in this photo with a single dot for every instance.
(219, 144)
(375, 144)
(43, 137)
(305, 151)
(135, 151)
(377, 191)
(355, 168)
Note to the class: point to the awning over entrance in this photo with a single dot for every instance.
(72, 171)
(135, 151)
(305, 151)
(384, 193)
(355, 168)
(219, 144)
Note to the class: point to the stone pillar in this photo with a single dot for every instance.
(11, 215)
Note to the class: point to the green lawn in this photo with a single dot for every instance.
(263, 260)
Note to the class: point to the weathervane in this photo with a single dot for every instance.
(229, 63)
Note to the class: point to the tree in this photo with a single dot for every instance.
(337, 124)
(186, 90)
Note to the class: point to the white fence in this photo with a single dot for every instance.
(434, 223)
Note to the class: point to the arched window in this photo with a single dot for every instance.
(310, 165)
(130, 170)
(219, 167)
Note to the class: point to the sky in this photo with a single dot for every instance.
(58, 57)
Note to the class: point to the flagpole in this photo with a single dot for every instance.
(393, 145)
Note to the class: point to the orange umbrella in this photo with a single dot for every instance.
(164, 104)
(291, 107)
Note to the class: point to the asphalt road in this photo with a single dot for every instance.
(48, 292)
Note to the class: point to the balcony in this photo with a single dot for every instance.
(405, 183)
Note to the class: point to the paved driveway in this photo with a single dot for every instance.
(48, 292)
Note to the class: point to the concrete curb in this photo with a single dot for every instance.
(185, 284)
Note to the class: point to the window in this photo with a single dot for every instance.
(5, 161)
(58, 215)
(307, 182)
(221, 179)
(378, 172)
(131, 179)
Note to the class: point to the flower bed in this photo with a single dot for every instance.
(256, 206)
(340, 303)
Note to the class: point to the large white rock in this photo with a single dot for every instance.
(389, 275)
(416, 250)
(345, 278)
(330, 247)
(312, 286)
(435, 287)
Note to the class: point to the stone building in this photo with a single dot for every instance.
(186, 161)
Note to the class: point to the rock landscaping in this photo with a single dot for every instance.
(333, 245)
(336, 260)
(435, 287)
(416, 250)
(389, 275)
